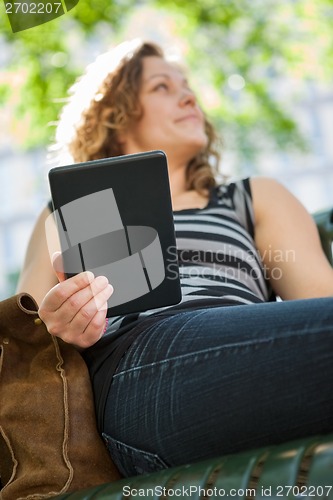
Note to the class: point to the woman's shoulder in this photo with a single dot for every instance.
(271, 199)
(249, 188)
(235, 198)
(232, 191)
(267, 192)
(264, 184)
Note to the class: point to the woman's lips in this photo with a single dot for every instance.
(188, 117)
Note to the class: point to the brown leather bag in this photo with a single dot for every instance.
(49, 442)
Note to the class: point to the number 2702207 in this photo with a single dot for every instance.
(33, 8)
(303, 491)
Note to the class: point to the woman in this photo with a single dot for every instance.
(228, 368)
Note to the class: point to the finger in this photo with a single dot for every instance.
(59, 294)
(58, 266)
(88, 324)
(84, 303)
(94, 330)
(82, 306)
(93, 333)
(72, 317)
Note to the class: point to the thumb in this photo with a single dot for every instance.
(58, 266)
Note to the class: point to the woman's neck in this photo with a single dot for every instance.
(177, 180)
(183, 198)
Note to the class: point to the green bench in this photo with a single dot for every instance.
(298, 469)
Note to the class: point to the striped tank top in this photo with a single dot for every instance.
(217, 257)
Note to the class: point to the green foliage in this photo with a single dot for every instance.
(5, 93)
(264, 42)
(43, 54)
(259, 42)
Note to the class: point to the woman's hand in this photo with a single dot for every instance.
(75, 309)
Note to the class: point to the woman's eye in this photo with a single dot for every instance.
(161, 85)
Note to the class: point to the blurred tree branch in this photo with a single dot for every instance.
(242, 48)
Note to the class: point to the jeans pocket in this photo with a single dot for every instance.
(132, 461)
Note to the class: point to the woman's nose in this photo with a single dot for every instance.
(187, 98)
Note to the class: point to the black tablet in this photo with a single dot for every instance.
(114, 218)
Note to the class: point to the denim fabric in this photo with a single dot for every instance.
(130, 460)
(220, 380)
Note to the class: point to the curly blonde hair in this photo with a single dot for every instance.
(100, 111)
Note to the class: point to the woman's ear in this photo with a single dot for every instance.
(126, 142)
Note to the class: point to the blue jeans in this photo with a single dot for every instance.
(220, 380)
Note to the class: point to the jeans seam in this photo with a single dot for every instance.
(120, 450)
(214, 349)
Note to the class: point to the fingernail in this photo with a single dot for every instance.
(90, 276)
(101, 281)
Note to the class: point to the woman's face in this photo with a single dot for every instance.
(171, 120)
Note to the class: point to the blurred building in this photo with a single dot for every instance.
(23, 191)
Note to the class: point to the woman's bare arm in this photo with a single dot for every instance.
(288, 241)
(37, 276)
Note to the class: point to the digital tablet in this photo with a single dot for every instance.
(114, 218)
